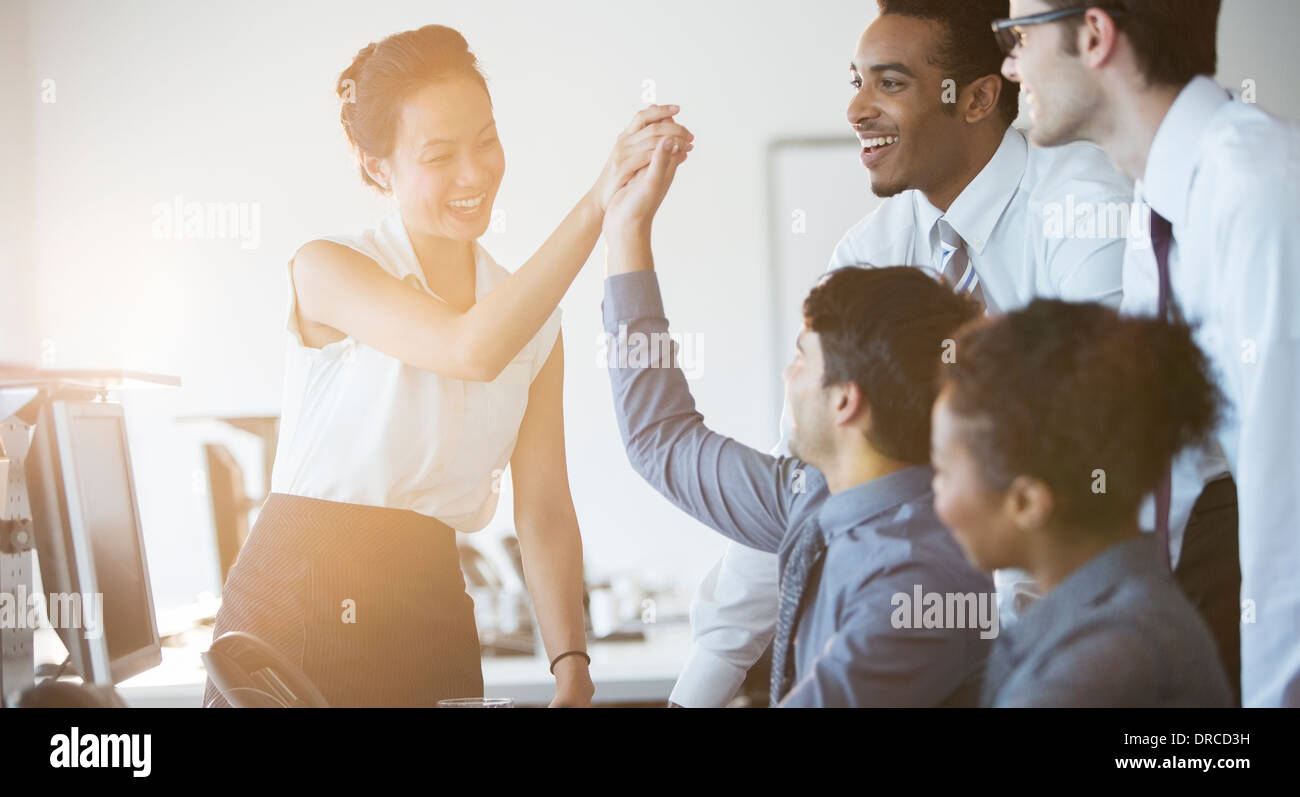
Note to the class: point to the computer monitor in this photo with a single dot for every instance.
(230, 505)
(88, 537)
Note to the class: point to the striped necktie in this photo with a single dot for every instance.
(956, 267)
(807, 551)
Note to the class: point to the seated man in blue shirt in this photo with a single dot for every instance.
(1051, 424)
(878, 605)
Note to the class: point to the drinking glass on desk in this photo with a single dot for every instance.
(477, 702)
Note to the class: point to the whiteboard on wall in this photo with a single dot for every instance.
(817, 189)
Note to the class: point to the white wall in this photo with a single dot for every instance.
(233, 102)
(16, 177)
(1257, 42)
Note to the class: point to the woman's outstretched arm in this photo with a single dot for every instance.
(547, 526)
(348, 291)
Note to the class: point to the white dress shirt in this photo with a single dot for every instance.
(362, 427)
(1013, 217)
(1227, 176)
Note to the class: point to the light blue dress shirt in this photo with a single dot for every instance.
(883, 538)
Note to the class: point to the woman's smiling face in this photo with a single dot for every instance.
(447, 161)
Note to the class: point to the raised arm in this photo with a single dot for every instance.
(351, 293)
(741, 492)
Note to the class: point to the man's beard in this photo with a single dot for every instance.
(796, 446)
(1063, 126)
(803, 444)
(886, 190)
(1053, 134)
(1053, 137)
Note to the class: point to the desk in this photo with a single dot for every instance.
(624, 672)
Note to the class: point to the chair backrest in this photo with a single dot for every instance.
(251, 674)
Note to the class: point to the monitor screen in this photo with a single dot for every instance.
(102, 469)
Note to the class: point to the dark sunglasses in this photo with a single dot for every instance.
(1007, 31)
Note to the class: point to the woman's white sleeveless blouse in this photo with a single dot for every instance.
(361, 427)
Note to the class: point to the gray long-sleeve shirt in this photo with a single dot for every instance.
(896, 616)
(1116, 632)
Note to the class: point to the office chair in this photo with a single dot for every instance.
(52, 693)
(250, 674)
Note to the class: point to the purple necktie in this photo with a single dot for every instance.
(1162, 234)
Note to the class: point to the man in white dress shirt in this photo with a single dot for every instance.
(966, 197)
(1222, 181)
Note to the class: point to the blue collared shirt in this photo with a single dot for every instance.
(860, 639)
(1117, 632)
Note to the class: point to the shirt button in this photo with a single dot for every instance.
(979, 243)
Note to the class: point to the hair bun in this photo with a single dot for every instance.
(351, 76)
(444, 36)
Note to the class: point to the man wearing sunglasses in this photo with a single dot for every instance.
(966, 197)
(1222, 180)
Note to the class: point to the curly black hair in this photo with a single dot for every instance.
(1061, 390)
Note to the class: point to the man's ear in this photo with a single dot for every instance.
(982, 98)
(1098, 38)
(1030, 503)
(851, 405)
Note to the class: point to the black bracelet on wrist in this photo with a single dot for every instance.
(581, 653)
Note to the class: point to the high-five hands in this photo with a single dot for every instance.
(635, 145)
(632, 209)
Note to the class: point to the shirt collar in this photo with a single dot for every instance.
(1088, 584)
(1166, 184)
(395, 244)
(927, 216)
(976, 210)
(853, 507)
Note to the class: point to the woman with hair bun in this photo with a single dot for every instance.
(1051, 425)
(417, 370)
